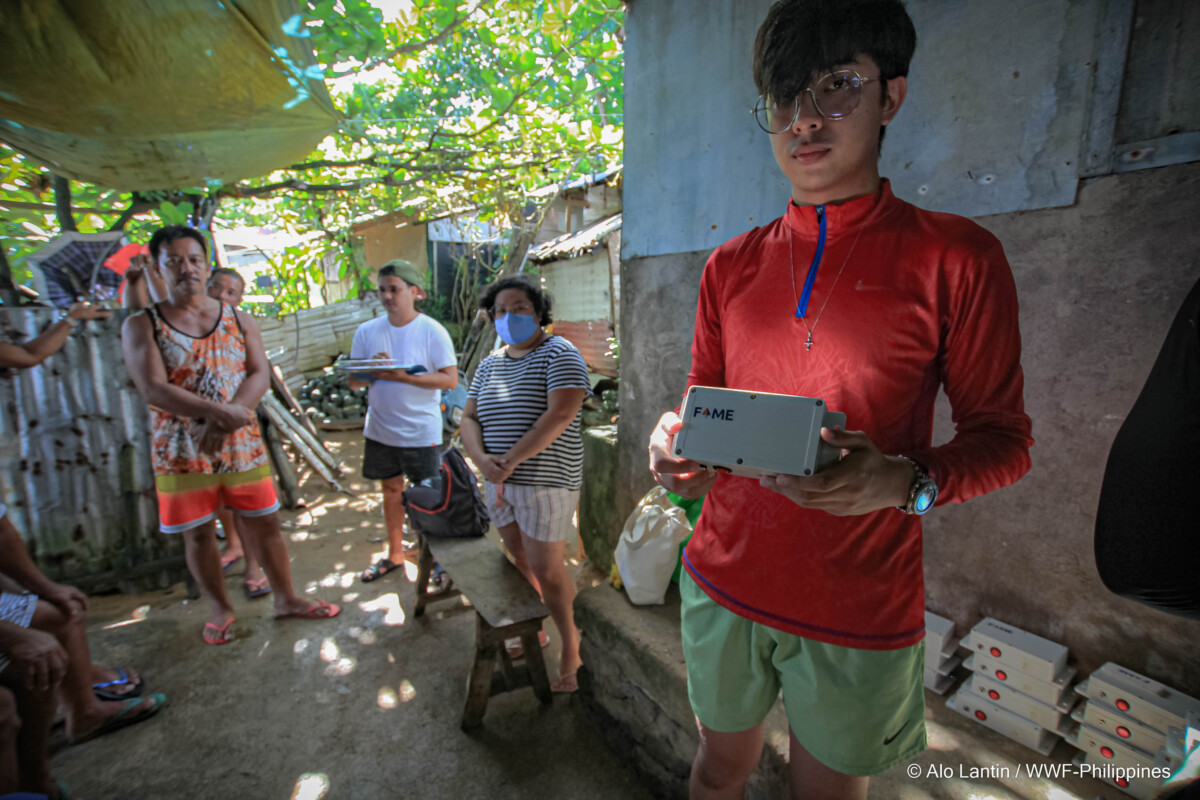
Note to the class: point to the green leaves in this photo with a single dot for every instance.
(448, 106)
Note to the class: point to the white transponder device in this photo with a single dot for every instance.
(756, 433)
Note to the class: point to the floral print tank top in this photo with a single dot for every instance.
(212, 366)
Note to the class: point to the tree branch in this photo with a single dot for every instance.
(62, 203)
(405, 49)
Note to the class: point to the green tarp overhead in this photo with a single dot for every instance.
(160, 94)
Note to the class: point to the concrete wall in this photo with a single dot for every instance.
(1099, 283)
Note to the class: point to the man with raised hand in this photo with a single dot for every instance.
(404, 422)
(814, 585)
(201, 366)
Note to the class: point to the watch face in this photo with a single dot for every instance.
(925, 498)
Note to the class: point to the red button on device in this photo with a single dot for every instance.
(1122, 731)
(980, 715)
(1121, 782)
(1001, 675)
(1123, 705)
(1107, 752)
(992, 693)
(995, 651)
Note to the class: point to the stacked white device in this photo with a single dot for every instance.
(941, 653)
(1020, 686)
(1133, 722)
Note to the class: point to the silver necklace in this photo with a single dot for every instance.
(792, 261)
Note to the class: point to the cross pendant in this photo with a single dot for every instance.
(808, 343)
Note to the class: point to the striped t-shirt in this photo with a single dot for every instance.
(511, 393)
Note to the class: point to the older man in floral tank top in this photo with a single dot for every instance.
(201, 366)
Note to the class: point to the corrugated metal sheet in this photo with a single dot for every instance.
(75, 466)
(580, 287)
(582, 241)
(314, 337)
(592, 340)
(1159, 96)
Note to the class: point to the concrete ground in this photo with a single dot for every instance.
(366, 705)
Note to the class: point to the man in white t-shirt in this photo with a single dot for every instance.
(404, 420)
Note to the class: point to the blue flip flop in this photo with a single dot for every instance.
(101, 689)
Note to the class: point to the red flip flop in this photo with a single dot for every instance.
(217, 634)
(322, 610)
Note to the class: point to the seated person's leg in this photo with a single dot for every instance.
(87, 715)
(10, 725)
(35, 708)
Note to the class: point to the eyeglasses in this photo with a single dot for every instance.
(835, 96)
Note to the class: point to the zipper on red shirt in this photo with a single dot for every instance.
(811, 277)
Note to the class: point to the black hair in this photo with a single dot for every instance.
(537, 295)
(172, 233)
(233, 273)
(802, 38)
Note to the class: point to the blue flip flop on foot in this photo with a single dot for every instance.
(122, 679)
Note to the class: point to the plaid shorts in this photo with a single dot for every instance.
(543, 513)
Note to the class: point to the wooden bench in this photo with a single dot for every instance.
(506, 607)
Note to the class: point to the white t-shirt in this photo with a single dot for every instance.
(398, 414)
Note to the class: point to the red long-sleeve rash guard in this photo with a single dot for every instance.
(924, 299)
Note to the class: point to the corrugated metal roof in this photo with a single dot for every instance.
(582, 241)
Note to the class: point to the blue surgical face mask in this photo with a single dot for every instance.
(516, 328)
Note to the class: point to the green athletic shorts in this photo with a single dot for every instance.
(858, 712)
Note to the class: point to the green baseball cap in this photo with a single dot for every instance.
(406, 270)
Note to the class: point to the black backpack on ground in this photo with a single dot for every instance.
(455, 510)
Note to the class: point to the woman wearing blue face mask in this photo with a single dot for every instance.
(521, 428)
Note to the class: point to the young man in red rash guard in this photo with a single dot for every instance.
(814, 585)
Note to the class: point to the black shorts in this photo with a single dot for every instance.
(383, 462)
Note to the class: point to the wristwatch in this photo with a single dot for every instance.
(923, 492)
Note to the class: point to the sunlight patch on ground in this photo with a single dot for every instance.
(410, 571)
(349, 597)
(388, 603)
(330, 651)
(343, 666)
(364, 636)
(346, 548)
(311, 786)
(391, 659)
(386, 699)
(960, 788)
(341, 565)
(139, 614)
(343, 579)
(299, 536)
(941, 737)
(300, 646)
(263, 649)
(407, 692)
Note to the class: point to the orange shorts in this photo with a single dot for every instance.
(190, 500)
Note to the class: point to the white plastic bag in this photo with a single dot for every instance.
(649, 547)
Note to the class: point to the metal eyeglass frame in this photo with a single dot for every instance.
(761, 103)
